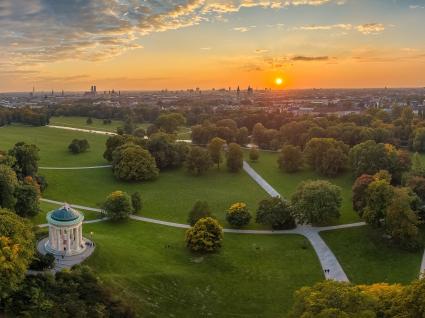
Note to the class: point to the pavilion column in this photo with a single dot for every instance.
(68, 242)
(58, 240)
(80, 230)
(52, 233)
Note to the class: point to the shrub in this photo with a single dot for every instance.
(118, 205)
(42, 262)
(136, 201)
(205, 236)
(238, 214)
(234, 158)
(290, 159)
(254, 154)
(78, 146)
(199, 210)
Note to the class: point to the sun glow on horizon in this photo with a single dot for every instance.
(278, 81)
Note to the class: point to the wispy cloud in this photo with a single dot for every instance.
(243, 28)
(367, 28)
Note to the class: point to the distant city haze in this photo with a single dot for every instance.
(144, 45)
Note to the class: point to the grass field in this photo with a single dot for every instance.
(170, 197)
(367, 259)
(53, 144)
(81, 122)
(252, 276)
(286, 183)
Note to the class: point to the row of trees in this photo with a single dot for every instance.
(335, 299)
(24, 115)
(330, 157)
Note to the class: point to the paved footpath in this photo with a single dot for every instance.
(328, 261)
(74, 168)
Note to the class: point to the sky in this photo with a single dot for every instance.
(177, 44)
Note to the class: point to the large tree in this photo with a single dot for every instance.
(27, 157)
(16, 250)
(198, 161)
(215, 148)
(8, 184)
(326, 155)
(401, 223)
(359, 190)
(27, 198)
(170, 122)
(234, 157)
(133, 163)
(378, 197)
(290, 159)
(316, 202)
(419, 140)
(167, 153)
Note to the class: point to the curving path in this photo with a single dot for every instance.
(74, 168)
(330, 265)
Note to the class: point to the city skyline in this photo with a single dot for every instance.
(148, 45)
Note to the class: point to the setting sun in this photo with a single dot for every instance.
(278, 81)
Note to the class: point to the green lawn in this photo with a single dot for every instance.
(53, 144)
(170, 197)
(286, 183)
(252, 276)
(366, 259)
(40, 218)
(81, 122)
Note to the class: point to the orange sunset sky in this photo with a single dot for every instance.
(145, 45)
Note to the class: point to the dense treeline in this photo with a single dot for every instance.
(24, 115)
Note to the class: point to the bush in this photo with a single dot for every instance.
(205, 236)
(199, 210)
(78, 146)
(136, 201)
(238, 215)
(42, 262)
(254, 154)
(276, 213)
(118, 205)
(234, 158)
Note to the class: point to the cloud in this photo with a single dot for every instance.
(205, 48)
(371, 28)
(309, 58)
(44, 31)
(367, 28)
(243, 28)
(260, 51)
(414, 7)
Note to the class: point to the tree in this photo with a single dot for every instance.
(199, 210)
(332, 299)
(170, 122)
(26, 159)
(215, 148)
(136, 202)
(78, 146)
(8, 184)
(290, 158)
(254, 154)
(417, 184)
(16, 250)
(167, 153)
(379, 194)
(140, 132)
(27, 199)
(86, 296)
(359, 190)
(234, 156)
(401, 222)
(326, 155)
(198, 160)
(133, 163)
(117, 206)
(275, 212)
(419, 140)
(129, 126)
(89, 121)
(205, 236)
(316, 202)
(418, 167)
(238, 215)
(242, 136)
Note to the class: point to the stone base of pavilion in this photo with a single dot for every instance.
(66, 261)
